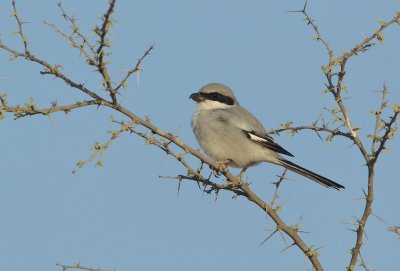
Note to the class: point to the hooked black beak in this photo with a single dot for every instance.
(196, 97)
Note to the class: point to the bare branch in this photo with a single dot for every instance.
(318, 36)
(78, 266)
(20, 30)
(103, 42)
(75, 28)
(169, 143)
(295, 129)
(136, 69)
(395, 229)
(366, 43)
(49, 69)
(98, 149)
(336, 88)
(363, 264)
(158, 137)
(89, 59)
(387, 135)
(277, 185)
(30, 110)
(105, 28)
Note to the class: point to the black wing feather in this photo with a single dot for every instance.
(266, 141)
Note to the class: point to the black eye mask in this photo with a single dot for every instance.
(218, 97)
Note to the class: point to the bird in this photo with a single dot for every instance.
(229, 134)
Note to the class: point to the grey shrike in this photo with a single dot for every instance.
(232, 136)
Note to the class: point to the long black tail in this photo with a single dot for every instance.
(311, 175)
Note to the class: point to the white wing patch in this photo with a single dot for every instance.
(266, 141)
(257, 138)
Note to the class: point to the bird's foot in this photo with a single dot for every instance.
(241, 173)
(221, 168)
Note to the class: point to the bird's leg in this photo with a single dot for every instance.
(222, 167)
(242, 173)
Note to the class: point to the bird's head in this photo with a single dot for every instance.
(214, 96)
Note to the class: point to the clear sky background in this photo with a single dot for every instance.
(122, 215)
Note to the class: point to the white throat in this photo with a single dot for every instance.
(209, 105)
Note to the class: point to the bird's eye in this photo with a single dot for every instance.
(214, 95)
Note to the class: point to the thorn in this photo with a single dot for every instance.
(269, 236)
(286, 248)
(305, 6)
(378, 217)
(300, 10)
(283, 238)
(365, 193)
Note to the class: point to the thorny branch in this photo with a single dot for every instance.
(76, 31)
(318, 36)
(335, 72)
(98, 149)
(381, 124)
(20, 30)
(78, 266)
(103, 43)
(156, 137)
(395, 229)
(74, 43)
(137, 68)
(292, 130)
(30, 109)
(53, 70)
(277, 185)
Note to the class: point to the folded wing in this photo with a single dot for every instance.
(266, 141)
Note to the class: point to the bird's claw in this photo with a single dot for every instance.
(240, 176)
(222, 166)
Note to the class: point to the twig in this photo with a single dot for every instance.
(395, 229)
(232, 183)
(277, 185)
(23, 111)
(164, 140)
(75, 28)
(89, 59)
(333, 132)
(53, 70)
(136, 69)
(336, 89)
(79, 267)
(386, 136)
(98, 149)
(101, 64)
(20, 30)
(318, 37)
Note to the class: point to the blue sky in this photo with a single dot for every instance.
(123, 215)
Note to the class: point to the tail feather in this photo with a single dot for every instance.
(310, 175)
